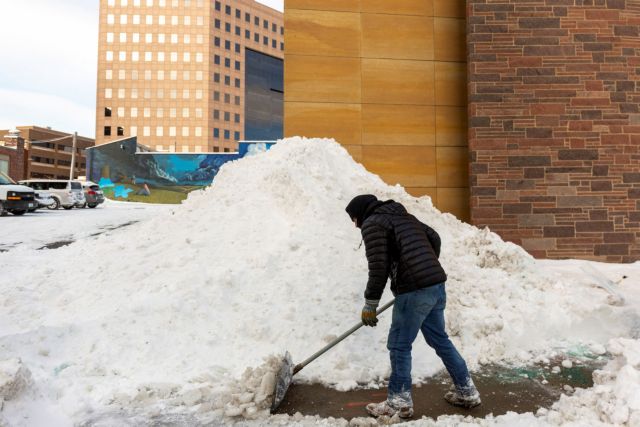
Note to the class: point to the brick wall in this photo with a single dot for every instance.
(16, 160)
(554, 125)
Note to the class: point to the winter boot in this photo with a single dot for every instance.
(466, 396)
(387, 409)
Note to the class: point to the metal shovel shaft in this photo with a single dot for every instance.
(319, 353)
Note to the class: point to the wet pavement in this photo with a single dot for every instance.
(503, 389)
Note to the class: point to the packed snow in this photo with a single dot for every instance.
(186, 313)
(44, 226)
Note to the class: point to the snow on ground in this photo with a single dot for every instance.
(36, 229)
(163, 319)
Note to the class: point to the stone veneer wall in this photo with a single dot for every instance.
(554, 125)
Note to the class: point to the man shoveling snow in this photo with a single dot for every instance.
(400, 247)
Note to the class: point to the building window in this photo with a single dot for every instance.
(236, 118)
(216, 59)
(236, 136)
(120, 131)
(199, 75)
(227, 98)
(199, 20)
(107, 131)
(256, 37)
(227, 134)
(247, 34)
(187, 39)
(174, 20)
(216, 41)
(111, 19)
(146, 131)
(198, 93)
(274, 28)
(216, 133)
(159, 131)
(198, 131)
(227, 10)
(227, 27)
(265, 40)
(146, 112)
(247, 17)
(120, 111)
(172, 131)
(185, 113)
(281, 30)
(265, 24)
(160, 113)
(199, 113)
(216, 77)
(237, 30)
(256, 21)
(281, 46)
(227, 116)
(227, 44)
(133, 131)
(237, 100)
(162, 20)
(172, 113)
(227, 62)
(237, 65)
(237, 82)
(216, 149)
(109, 37)
(216, 114)
(238, 13)
(216, 96)
(123, 19)
(217, 5)
(148, 38)
(237, 48)
(216, 23)
(187, 20)
(134, 112)
(109, 56)
(108, 93)
(107, 111)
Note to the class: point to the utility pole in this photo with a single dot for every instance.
(73, 155)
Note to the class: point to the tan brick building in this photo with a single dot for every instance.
(37, 156)
(172, 71)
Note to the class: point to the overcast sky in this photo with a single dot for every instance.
(48, 65)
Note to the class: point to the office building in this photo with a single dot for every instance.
(172, 72)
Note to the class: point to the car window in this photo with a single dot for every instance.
(94, 187)
(76, 186)
(58, 185)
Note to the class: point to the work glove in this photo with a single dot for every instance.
(369, 317)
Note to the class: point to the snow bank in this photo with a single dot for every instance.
(265, 260)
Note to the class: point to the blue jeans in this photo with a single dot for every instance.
(421, 310)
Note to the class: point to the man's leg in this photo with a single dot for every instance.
(405, 325)
(433, 329)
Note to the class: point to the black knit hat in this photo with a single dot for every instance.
(357, 207)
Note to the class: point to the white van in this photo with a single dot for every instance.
(64, 192)
(15, 198)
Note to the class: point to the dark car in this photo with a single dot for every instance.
(92, 193)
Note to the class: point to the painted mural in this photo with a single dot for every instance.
(126, 170)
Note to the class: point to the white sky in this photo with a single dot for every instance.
(49, 60)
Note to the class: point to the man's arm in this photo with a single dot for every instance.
(434, 238)
(377, 251)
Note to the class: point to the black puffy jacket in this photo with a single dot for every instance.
(401, 247)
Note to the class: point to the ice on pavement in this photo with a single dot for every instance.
(166, 316)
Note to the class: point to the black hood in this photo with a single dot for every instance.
(362, 206)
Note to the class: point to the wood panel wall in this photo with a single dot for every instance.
(386, 79)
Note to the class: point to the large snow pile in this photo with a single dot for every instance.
(167, 315)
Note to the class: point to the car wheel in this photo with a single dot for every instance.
(85, 205)
(55, 205)
(18, 212)
(2, 211)
(92, 206)
(68, 207)
(32, 210)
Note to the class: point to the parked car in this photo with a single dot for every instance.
(65, 193)
(44, 200)
(92, 193)
(15, 198)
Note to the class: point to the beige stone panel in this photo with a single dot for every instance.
(398, 7)
(355, 151)
(453, 166)
(451, 83)
(450, 8)
(398, 125)
(454, 201)
(322, 120)
(391, 81)
(450, 36)
(321, 79)
(432, 192)
(451, 126)
(409, 166)
(311, 32)
(338, 5)
(411, 38)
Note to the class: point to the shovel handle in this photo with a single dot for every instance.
(313, 357)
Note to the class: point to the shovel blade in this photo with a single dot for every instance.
(283, 381)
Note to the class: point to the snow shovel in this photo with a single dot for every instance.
(288, 370)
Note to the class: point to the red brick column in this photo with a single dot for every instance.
(554, 125)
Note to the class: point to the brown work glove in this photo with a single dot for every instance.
(369, 317)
